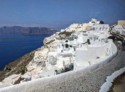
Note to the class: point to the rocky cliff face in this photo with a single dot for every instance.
(27, 30)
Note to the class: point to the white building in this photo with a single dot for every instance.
(101, 27)
(119, 29)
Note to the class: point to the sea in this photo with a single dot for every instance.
(14, 46)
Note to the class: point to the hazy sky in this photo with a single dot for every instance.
(59, 13)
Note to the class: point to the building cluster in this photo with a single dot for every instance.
(119, 28)
(78, 46)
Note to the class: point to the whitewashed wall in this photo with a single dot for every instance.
(109, 80)
(84, 80)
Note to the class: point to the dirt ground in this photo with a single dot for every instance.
(119, 84)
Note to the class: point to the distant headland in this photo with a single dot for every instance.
(26, 30)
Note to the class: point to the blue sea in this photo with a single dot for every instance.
(13, 46)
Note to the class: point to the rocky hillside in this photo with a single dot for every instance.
(27, 30)
(16, 67)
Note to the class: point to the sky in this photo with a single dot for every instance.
(59, 13)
